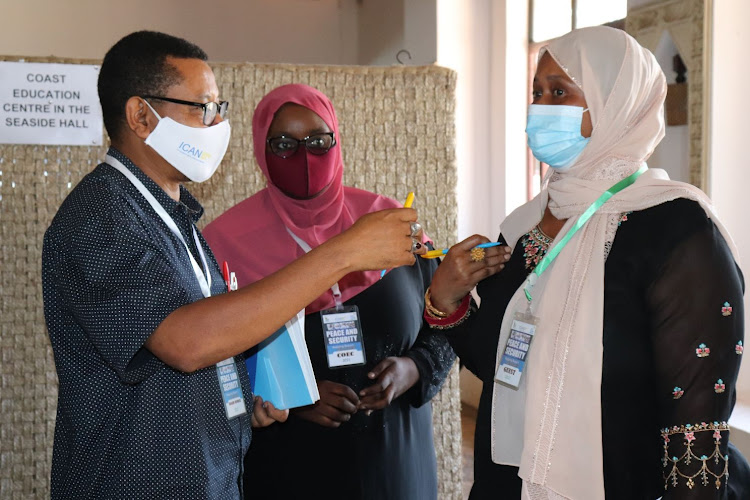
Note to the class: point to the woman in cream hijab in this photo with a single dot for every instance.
(628, 384)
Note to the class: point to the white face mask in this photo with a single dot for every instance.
(196, 152)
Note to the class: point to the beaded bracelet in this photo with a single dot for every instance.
(451, 321)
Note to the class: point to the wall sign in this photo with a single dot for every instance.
(51, 104)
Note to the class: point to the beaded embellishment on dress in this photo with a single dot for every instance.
(614, 221)
(535, 245)
(719, 386)
(702, 351)
(726, 309)
(690, 466)
(624, 217)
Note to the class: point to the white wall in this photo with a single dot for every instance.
(389, 26)
(463, 44)
(381, 31)
(510, 86)
(292, 31)
(729, 171)
(368, 32)
(420, 30)
(486, 42)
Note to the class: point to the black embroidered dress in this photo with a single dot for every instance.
(672, 340)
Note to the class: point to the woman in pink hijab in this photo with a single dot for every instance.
(634, 303)
(370, 435)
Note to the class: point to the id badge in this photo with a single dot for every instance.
(513, 360)
(342, 335)
(231, 392)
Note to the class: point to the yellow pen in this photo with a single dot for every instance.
(407, 204)
(433, 254)
(409, 199)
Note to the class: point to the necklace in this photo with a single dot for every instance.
(535, 246)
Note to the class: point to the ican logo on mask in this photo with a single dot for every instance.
(193, 152)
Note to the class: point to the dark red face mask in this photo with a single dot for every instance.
(302, 175)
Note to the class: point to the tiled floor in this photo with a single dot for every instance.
(468, 419)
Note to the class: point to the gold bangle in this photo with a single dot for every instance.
(431, 310)
(432, 315)
(453, 325)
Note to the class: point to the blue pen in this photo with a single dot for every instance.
(490, 244)
(432, 254)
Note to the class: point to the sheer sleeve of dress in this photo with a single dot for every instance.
(431, 352)
(434, 358)
(695, 307)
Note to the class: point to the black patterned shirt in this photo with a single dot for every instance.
(128, 425)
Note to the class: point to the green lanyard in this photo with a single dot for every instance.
(582, 220)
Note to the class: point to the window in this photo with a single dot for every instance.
(550, 18)
(553, 18)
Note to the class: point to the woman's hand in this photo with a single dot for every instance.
(393, 377)
(336, 405)
(264, 413)
(458, 274)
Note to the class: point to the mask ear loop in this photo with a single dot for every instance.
(152, 109)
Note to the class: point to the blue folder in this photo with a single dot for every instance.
(280, 368)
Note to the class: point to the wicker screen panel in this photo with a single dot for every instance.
(397, 135)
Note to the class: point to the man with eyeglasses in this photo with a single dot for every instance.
(154, 401)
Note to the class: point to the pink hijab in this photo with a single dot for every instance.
(252, 236)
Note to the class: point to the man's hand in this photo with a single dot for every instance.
(264, 413)
(392, 246)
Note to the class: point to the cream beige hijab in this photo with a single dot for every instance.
(551, 426)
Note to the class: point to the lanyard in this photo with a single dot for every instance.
(304, 246)
(200, 274)
(226, 371)
(582, 220)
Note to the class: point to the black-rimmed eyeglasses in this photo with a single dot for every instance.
(210, 109)
(317, 144)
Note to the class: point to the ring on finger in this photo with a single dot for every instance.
(415, 245)
(415, 227)
(477, 254)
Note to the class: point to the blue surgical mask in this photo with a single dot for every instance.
(554, 133)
